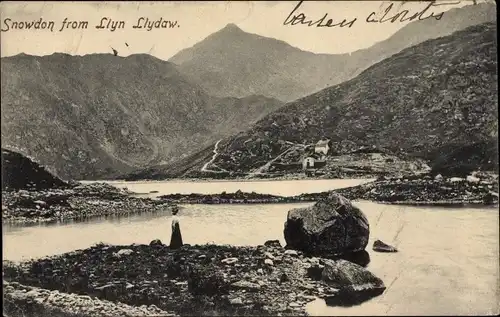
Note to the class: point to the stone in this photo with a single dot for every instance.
(380, 246)
(246, 285)
(351, 278)
(269, 255)
(268, 262)
(260, 271)
(155, 242)
(123, 252)
(332, 226)
(472, 179)
(229, 260)
(291, 252)
(236, 301)
(273, 243)
(176, 238)
(438, 177)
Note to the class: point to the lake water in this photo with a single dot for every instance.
(448, 262)
(284, 188)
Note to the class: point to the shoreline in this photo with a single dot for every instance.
(220, 280)
(98, 199)
(81, 202)
(228, 180)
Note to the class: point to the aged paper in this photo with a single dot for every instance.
(249, 158)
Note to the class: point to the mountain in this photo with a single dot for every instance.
(20, 172)
(234, 63)
(85, 117)
(433, 101)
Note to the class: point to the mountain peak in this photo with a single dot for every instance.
(231, 27)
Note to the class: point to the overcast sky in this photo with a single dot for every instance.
(196, 20)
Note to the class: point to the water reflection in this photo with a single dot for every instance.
(360, 258)
(347, 298)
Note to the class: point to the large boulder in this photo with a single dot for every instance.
(332, 226)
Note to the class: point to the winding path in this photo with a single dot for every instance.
(205, 166)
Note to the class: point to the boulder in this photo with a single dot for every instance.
(380, 246)
(355, 284)
(176, 238)
(332, 226)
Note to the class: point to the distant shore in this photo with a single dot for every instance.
(416, 190)
(229, 180)
(93, 199)
(77, 202)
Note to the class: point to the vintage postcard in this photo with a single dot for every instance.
(222, 158)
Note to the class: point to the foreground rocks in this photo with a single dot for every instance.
(196, 280)
(77, 202)
(332, 226)
(22, 300)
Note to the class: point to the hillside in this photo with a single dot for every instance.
(85, 117)
(432, 101)
(20, 172)
(234, 63)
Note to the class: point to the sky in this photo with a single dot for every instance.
(195, 21)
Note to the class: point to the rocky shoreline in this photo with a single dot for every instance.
(77, 202)
(219, 280)
(409, 190)
(22, 300)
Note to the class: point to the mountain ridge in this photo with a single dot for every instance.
(264, 65)
(86, 117)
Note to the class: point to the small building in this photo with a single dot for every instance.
(322, 147)
(313, 161)
(308, 162)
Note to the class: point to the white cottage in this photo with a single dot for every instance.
(322, 147)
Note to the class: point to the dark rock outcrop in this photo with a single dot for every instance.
(156, 242)
(19, 172)
(332, 226)
(355, 283)
(380, 246)
(176, 238)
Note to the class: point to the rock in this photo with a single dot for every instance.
(332, 226)
(315, 271)
(260, 271)
(236, 301)
(268, 262)
(123, 252)
(291, 252)
(269, 255)
(273, 243)
(229, 260)
(380, 246)
(176, 238)
(350, 277)
(472, 179)
(284, 278)
(155, 242)
(438, 177)
(246, 285)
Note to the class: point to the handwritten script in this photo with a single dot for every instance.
(390, 14)
(105, 23)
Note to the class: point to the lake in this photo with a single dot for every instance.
(276, 187)
(447, 265)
